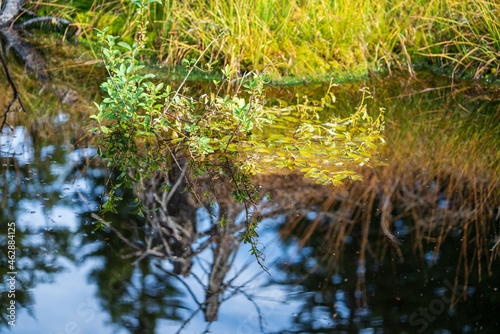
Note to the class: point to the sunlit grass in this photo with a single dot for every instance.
(307, 38)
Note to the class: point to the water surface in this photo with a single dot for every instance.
(332, 266)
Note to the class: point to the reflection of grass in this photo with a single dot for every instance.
(61, 105)
(450, 131)
(314, 37)
(441, 179)
(430, 124)
(443, 159)
(326, 151)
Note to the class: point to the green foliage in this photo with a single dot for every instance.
(143, 127)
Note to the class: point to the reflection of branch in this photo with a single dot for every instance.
(207, 329)
(141, 253)
(177, 183)
(187, 181)
(125, 240)
(257, 308)
(182, 282)
(29, 12)
(202, 266)
(170, 232)
(201, 306)
(250, 298)
(9, 11)
(386, 211)
(31, 59)
(14, 89)
(189, 319)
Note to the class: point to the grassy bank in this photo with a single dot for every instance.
(306, 38)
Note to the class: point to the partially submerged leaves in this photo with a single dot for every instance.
(327, 151)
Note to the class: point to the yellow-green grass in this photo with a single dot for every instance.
(306, 38)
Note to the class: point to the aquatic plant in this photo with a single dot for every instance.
(144, 128)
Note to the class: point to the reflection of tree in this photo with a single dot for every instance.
(37, 248)
(369, 234)
(170, 231)
(135, 297)
(436, 189)
(348, 269)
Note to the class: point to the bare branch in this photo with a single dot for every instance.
(53, 19)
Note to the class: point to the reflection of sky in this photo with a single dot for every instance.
(32, 212)
(17, 143)
(68, 304)
(238, 314)
(65, 303)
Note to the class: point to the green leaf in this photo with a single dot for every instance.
(125, 45)
(290, 119)
(136, 212)
(130, 68)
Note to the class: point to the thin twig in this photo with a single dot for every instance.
(176, 185)
(127, 241)
(249, 108)
(14, 89)
(189, 73)
(182, 282)
(29, 12)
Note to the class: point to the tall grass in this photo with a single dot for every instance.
(313, 37)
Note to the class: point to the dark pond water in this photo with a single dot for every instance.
(332, 267)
